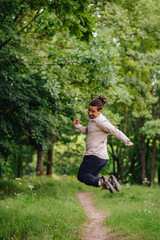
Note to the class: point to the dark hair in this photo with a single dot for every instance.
(99, 101)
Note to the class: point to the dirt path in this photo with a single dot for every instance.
(95, 228)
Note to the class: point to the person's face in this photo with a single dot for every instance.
(93, 111)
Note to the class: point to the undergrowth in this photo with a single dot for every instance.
(135, 211)
(40, 208)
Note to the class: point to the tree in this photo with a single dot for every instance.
(152, 128)
(136, 40)
(27, 104)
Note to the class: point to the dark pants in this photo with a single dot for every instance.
(90, 168)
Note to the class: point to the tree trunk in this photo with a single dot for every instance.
(0, 171)
(20, 163)
(153, 160)
(159, 174)
(50, 155)
(118, 168)
(115, 161)
(114, 167)
(154, 143)
(122, 171)
(158, 117)
(40, 159)
(113, 157)
(147, 157)
(121, 166)
(143, 159)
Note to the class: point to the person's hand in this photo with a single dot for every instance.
(131, 144)
(75, 122)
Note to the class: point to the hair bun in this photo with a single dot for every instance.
(99, 101)
(102, 99)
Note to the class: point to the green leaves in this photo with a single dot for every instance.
(48, 77)
(151, 128)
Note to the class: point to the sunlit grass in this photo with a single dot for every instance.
(40, 208)
(135, 211)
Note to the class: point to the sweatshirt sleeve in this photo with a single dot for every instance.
(106, 126)
(81, 129)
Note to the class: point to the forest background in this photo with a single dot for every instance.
(56, 56)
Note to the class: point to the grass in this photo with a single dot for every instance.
(40, 208)
(135, 211)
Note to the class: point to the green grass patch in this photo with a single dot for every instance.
(40, 208)
(135, 211)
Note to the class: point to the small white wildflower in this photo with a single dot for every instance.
(145, 181)
(30, 187)
(18, 179)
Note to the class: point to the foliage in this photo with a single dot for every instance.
(151, 128)
(133, 28)
(48, 75)
(28, 101)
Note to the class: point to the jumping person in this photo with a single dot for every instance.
(96, 155)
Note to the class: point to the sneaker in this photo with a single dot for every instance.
(113, 180)
(104, 184)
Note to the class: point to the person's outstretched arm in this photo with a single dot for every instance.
(79, 127)
(106, 126)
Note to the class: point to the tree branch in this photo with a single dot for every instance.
(22, 16)
(35, 17)
(4, 60)
(8, 40)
